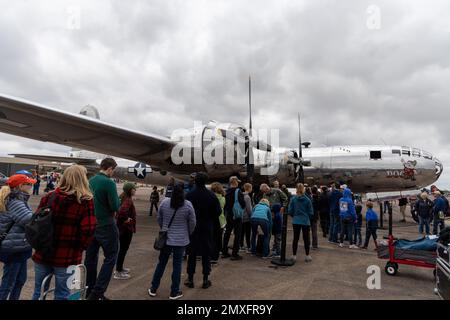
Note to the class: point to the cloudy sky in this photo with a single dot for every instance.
(360, 72)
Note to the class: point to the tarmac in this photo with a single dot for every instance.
(334, 273)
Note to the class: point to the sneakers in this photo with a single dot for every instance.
(353, 247)
(176, 296)
(236, 257)
(308, 259)
(152, 292)
(121, 276)
(126, 270)
(341, 245)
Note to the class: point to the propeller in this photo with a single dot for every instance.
(300, 174)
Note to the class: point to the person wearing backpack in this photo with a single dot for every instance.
(423, 209)
(106, 204)
(207, 211)
(176, 216)
(234, 211)
(348, 218)
(15, 251)
(71, 207)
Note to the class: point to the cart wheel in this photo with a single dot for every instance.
(391, 268)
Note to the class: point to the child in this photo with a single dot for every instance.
(371, 225)
(126, 223)
(154, 200)
(358, 224)
(276, 229)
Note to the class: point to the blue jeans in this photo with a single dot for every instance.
(438, 223)
(334, 227)
(14, 278)
(62, 290)
(265, 229)
(424, 222)
(357, 237)
(164, 256)
(106, 237)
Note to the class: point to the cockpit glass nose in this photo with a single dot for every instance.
(438, 166)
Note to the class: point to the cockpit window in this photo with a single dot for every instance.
(415, 152)
(396, 151)
(427, 155)
(406, 151)
(375, 155)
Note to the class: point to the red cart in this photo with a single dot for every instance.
(417, 258)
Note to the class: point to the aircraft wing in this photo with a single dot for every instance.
(77, 160)
(35, 121)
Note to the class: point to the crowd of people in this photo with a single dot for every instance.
(197, 221)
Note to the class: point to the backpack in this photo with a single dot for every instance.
(238, 212)
(39, 231)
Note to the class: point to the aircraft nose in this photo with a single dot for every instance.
(439, 167)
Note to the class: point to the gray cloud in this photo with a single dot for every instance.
(160, 65)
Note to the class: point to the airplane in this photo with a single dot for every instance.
(368, 168)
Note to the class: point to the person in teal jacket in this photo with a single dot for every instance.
(301, 211)
(261, 217)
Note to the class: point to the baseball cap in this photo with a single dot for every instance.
(18, 179)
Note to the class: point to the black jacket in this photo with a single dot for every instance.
(207, 211)
(423, 208)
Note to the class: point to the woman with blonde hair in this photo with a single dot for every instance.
(72, 209)
(219, 225)
(15, 251)
(301, 210)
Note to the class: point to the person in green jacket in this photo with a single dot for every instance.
(106, 203)
(219, 225)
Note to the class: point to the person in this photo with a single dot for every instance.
(182, 214)
(274, 195)
(371, 225)
(154, 200)
(246, 224)
(403, 202)
(50, 183)
(37, 185)
(169, 187)
(277, 230)
(262, 218)
(220, 223)
(300, 208)
(126, 223)
(74, 221)
(15, 251)
(439, 209)
(423, 208)
(188, 187)
(334, 198)
(207, 211)
(357, 240)
(348, 218)
(315, 219)
(106, 203)
(324, 211)
(286, 192)
(386, 205)
(233, 223)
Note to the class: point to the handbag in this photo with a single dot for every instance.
(161, 239)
